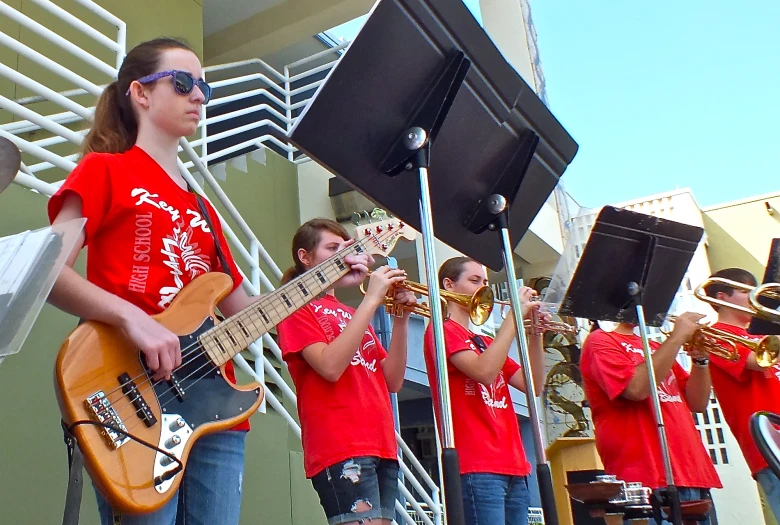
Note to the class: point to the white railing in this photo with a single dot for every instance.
(278, 91)
(281, 92)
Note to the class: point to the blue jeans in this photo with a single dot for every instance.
(495, 499)
(359, 489)
(770, 485)
(687, 494)
(209, 494)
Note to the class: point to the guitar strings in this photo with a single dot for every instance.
(198, 346)
(196, 350)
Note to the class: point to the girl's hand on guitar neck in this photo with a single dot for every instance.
(358, 265)
(159, 345)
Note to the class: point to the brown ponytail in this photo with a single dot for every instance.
(452, 269)
(115, 126)
(308, 237)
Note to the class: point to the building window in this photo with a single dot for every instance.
(710, 426)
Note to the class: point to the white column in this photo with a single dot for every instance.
(504, 21)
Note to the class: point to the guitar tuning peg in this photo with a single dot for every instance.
(358, 218)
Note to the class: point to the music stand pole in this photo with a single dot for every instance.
(497, 205)
(635, 291)
(417, 140)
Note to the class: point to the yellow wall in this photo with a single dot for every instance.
(740, 234)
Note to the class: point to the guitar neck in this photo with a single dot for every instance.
(227, 339)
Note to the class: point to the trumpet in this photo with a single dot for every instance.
(770, 291)
(756, 309)
(479, 305)
(724, 344)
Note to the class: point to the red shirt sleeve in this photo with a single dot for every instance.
(91, 181)
(510, 368)
(300, 330)
(735, 369)
(612, 366)
(232, 268)
(456, 339)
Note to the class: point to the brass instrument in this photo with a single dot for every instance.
(479, 306)
(756, 309)
(712, 340)
(770, 291)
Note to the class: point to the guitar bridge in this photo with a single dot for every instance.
(102, 411)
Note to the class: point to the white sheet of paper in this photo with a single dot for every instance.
(18, 254)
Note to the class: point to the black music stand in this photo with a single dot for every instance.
(629, 272)
(423, 87)
(771, 275)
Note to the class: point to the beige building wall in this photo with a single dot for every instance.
(313, 188)
(279, 26)
(740, 232)
(504, 21)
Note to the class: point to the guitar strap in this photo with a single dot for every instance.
(75, 479)
(207, 216)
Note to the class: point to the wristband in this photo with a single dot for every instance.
(700, 361)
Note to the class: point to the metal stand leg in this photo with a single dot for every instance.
(451, 465)
(674, 496)
(497, 205)
(542, 468)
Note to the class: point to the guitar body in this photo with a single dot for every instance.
(100, 376)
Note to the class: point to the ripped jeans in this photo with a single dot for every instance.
(361, 489)
(210, 493)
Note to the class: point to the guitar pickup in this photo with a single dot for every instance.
(176, 387)
(141, 406)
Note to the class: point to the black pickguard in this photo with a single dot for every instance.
(207, 395)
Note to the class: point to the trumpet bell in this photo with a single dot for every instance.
(480, 305)
(770, 291)
(767, 350)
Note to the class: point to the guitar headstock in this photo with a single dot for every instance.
(381, 236)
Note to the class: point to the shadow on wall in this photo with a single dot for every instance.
(724, 251)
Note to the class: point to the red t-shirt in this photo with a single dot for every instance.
(146, 237)
(742, 392)
(347, 418)
(486, 432)
(626, 434)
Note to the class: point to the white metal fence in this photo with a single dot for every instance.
(49, 140)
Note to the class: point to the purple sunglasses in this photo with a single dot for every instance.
(183, 83)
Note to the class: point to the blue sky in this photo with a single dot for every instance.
(664, 95)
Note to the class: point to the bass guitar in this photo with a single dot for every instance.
(136, 433)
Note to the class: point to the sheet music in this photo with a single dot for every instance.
(18, 253)
(29, 265)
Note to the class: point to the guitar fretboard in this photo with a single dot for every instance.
(227, 339)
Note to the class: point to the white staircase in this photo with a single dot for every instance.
(42, 134)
